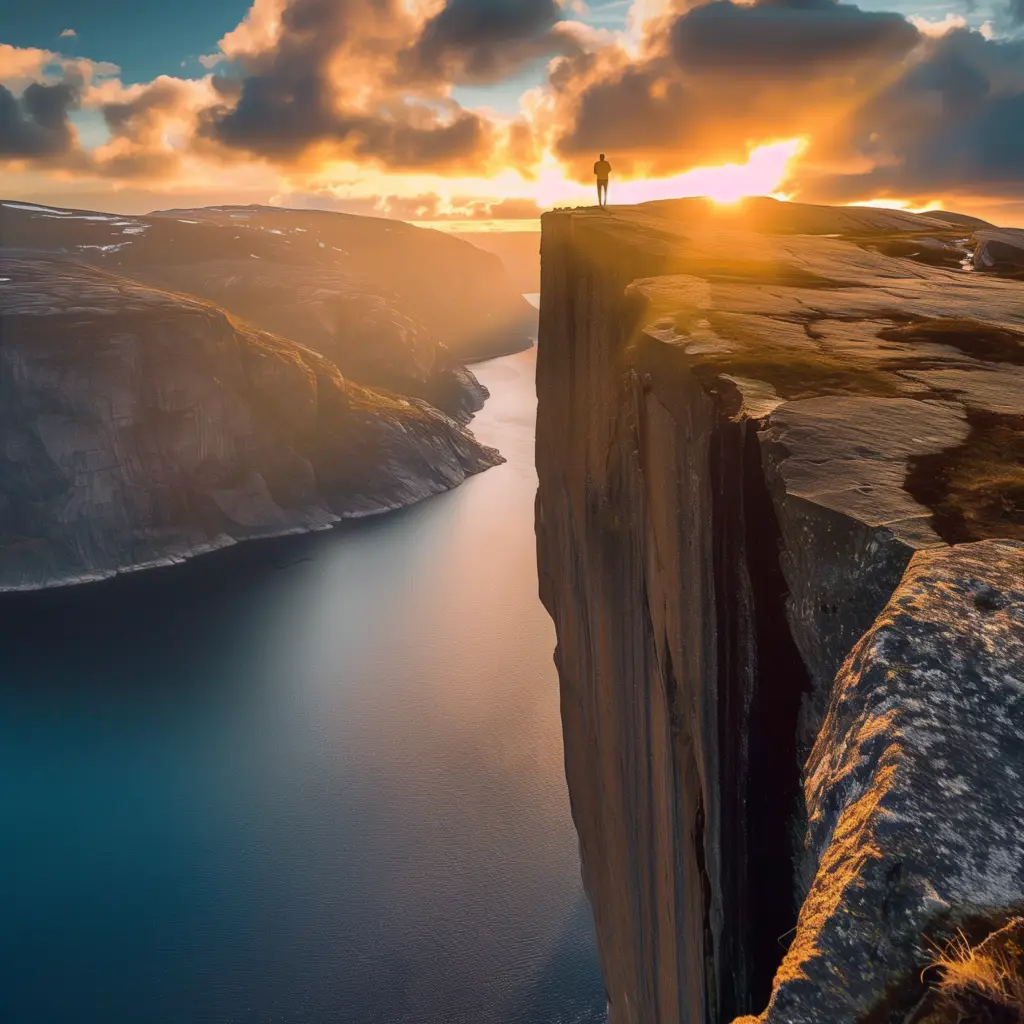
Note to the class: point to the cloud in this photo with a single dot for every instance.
(36, 125)
(283, 119)
(311, 78)
(788, 40)
(937, 29)
(887, 105)
(68, 33)
(370, 81)
(513, 209)
(718, 79)
(150, 125)
(39, 90)
(482, 41)
(307, 81)
(471, 208)
(427, 206)
(950, 124)
(21, 65)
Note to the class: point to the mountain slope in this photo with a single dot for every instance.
(391, 305)
(140, 427)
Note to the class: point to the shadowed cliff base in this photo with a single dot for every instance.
(701, 627)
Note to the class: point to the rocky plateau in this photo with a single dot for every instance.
(780, 533)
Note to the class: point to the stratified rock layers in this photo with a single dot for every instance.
(730, 415)
(140, 427)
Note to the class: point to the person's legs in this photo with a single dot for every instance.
(602, 193)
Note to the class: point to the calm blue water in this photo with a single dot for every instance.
(315, 780)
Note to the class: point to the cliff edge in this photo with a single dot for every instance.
(781, 462)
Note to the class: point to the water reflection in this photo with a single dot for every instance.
(313, 780)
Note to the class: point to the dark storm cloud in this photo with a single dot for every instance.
(36, 125)
(953, 122)
(1015, 9)
(483, 40)
(791, 39)
(282, 117)
(626, 114)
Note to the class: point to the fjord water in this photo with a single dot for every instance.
(312, 780)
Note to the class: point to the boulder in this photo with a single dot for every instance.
(999, 251)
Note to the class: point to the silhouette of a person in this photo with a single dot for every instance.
(602, 171)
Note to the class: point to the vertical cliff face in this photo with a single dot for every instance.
(643, 515)
(723, 441)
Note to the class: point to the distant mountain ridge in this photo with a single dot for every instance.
(175, 383)
(392, 305)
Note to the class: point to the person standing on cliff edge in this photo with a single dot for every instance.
(602, 170)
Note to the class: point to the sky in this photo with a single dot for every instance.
(482, 113)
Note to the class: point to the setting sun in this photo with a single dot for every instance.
(763, 174)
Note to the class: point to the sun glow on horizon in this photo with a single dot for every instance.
(767, 171)
(906, 205)
(763, 174)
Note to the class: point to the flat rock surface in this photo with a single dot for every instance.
(780, 303)
(139, 427)
(866, 444)
(887, 391)
(913, 789)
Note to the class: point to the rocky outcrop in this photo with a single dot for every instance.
(751, 422)
(999, 251)
(913, 790)
(393, 306)
(140, 427)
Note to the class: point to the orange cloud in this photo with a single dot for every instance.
(370, 81)
(21, 65)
